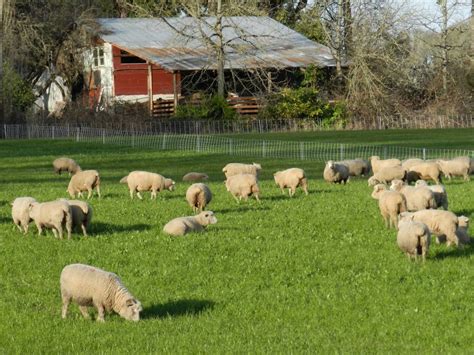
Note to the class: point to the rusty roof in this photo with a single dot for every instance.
(185, 43)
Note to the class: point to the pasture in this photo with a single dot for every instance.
(317, 273)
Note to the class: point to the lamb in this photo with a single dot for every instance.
(52, 215)
(193, 176)
(90, 286)
(242, 186)
(81, 214)
(427, 171)
(21, 212)
(66, 164)
(386, 175)
(232, 169)
(291, 178)
(336, 172)
(391, 204)
(418, 198)
(357, 167)
(86, 180)
(413, 238)
(138, 181)
(377, 164)
(455, 167)
(408, 163)
(198, 196)
(439, 191)
(183, 225)
(439, 222)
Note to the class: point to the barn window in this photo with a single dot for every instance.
(98, 54)
(127, 58)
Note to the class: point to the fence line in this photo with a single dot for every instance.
(296, 150)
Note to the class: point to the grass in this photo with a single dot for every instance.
(315, 273)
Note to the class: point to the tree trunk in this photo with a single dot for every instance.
(220, 51)
(445, 48)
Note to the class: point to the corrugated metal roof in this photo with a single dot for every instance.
(182, 43)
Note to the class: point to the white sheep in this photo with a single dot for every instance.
(357, 167)
(170, 185)
(462, 232)
(198, 196)
(65, 164)
(413, 238)
(193, 176)
(439, 191)
(89, 286)
(408, 163)
(138, 181)
(232, 169)
(86, 180)
(386, 175)
(21, 212)
(391, 204)
(459, 166)
(182, 225)
(54, 215)
(336, 172)
(81, 214)
(378, 164)
(427, 171)
(418, 198)
(242, 186)
(291, 179)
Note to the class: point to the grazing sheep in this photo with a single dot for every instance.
(462, 232)
(427, 171)
(439, 222)
(336, 172)
(193, 176)
(232, 169)
(291, 178)
(81, 214)
(21, 212)
(386, 175)
(198, 196)
(357, 167)
(145, 181)
(52, 215)
(378, 164)
(408, 163)
(459, 166)
(85, 180)
(65, 164)
(170, 184)
(90, 286)
(418, 198)
(242, 186)
(183, 225)
(413, 238)
(439, 191)
(391, 204)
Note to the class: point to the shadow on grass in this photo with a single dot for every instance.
(177, 308)
(6, 220)
(104, 228)
(241, 208)
(466, 213)
(462, 252)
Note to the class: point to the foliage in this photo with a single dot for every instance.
(16, 91)
(214, 107)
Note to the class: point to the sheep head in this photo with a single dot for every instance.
(206, 217)
(130, 310)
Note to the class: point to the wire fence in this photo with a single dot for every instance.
(295, 150)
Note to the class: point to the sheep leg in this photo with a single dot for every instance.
(282, 190)
(153, 194)
(289, 192)
(237, 199)
(40, 230)
(84, 230)
(139, 196)
(97, 188)
(66, 301)
(79, 194)
(84, 312)
(101, 312)
(257, 198)
(89, 192)
(18, 226)
(131, 194)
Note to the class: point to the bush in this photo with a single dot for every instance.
(211, 108)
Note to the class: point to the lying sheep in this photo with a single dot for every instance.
(413, 238)
(198, 196)
(378, 164)
(86, 180)
(182, 225)
(54, 215)
(89, 286)
(336, 172)
(427, 171)
(138, 181)
(243, 186)
(232, 169)
(21, 212)
(418, 198)
(357, 167)
(391, 204)
(408, 163)
(65, 164)
(386, 175)
(439, 222)
(291, 178)
(459, 166)
(439, 191)
(81, 214)
(191, 177)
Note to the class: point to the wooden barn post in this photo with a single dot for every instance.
(175, 90)
(150, 88)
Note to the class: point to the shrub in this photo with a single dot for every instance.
(211, 108)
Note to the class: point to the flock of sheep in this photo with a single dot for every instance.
(410, 209)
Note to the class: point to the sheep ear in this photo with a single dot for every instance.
(130, 302)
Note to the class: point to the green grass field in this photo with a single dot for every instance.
(316, 273)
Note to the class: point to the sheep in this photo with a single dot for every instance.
(170, 184)
(418, 198)
(138, 181)
(462, 232)
(391, 204)
(21, 212)
(377, 164)
(232, 169)
(413, 238)
(90, 286)
(66, 164)
(471, 166)
(85, 180)
(357, 167)
(81, 214)
(439, 222)
(54, 215)
(291, 178)
(427, 171)
(455, 167)
(242, 186)
(336, 172)
(386, 175)
(408, 163)
(439, 191)
(193, 176)
(183, 225)
(198, 196)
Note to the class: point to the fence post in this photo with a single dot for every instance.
(301, 151)
(231, 147)
(5, 130)
(103, 136)
(52, 132)
(77, 134)
(342, 152)
(28, 131)
(198, 143)
(133, 138)
(264, 152)
(385, 152)
(163, 145)
(424, 153)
